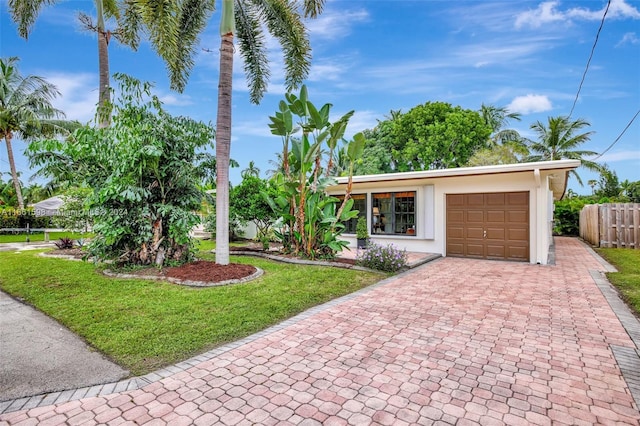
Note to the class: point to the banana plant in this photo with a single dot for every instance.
(312, 220)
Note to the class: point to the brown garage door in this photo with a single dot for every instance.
(489, 225)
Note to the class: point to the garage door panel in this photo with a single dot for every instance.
(455, 200)
(496, 251)
(455, 216)
(474, 233)
(455, 249)
(517, 199)
(474, 250)
(474, 216)
(496, 234)
(495, 216)
(517, 216)
(495, 199)
(514, 234)
(518, 252)
(488, 225)
(474, 200)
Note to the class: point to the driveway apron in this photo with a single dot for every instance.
(457, 341)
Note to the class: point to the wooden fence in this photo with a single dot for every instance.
(611, 225)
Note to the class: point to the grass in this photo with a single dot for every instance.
(627, 280)
(145, 325)
(38, 237)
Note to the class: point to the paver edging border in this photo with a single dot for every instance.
(189, 283)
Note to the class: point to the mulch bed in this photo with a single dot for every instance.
(206, 271)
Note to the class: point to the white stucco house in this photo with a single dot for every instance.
(502, 212)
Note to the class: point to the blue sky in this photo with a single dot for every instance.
(374, 56)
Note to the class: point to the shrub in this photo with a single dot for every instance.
(567, 216)
(64, 243)
(382, 258)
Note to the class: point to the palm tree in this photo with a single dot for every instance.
(251, 170)
(558, 140)
(25, 12)
(172, 28)
(246, 19)
(25, 111)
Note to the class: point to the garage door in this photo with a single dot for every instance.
(488, 225)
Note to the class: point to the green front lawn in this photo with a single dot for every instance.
(39, 237)
(627, 279)
(145, 325)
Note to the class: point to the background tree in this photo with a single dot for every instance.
(26, 111)
(499, 154)
(248, 204)
(250, 171)
(558, 140)
(608, 184)
(505, 146)
(377, 157)
(437, 135)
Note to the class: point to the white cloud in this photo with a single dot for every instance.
(79, 94)
(630, 38)
(530, 103)
(548, 12)
(544, 14)
(613, 157)
(173, 100)
(335, 24)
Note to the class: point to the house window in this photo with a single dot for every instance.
(360, 204)
(394, 213)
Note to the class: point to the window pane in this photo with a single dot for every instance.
(394, 213)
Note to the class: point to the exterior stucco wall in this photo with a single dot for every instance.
(431, 208)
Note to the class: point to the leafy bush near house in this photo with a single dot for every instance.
(382, 258)
(145, 170)
(567, 216)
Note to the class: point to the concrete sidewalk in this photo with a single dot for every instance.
(38, 355)
(456, 341)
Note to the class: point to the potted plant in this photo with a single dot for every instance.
(362, 233)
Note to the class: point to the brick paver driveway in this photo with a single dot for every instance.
(457, 341)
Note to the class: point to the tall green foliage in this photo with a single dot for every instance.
(312, 220)
(144, 174)
(248, 204)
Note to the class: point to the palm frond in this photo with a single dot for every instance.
(285, 24)
(25, 12)
(253, 50)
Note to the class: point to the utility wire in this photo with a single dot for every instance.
(584, 75)
(618, 138)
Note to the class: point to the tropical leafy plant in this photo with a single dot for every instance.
(144, 173)
(312, 220)
(64, 243)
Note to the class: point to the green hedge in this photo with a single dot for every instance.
(13, 218)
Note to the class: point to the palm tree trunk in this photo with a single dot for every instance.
(14, 173)
(104, 113)
(223, 147)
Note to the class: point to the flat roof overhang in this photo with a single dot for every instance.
(558, 183)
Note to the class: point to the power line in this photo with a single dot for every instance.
(584, 75)
(618, 138)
